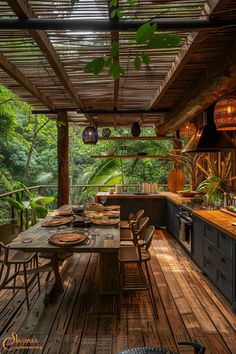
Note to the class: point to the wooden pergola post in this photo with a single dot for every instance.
(62, 158)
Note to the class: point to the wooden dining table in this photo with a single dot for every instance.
(104, 240)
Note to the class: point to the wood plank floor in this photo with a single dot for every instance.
(81, 321)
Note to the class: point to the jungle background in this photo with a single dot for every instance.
(28, 154)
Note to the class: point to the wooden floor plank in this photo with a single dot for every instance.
(88, 345)
(104, 345)
(82, 321)
(70, 344)
(175, 278)
(119, 343)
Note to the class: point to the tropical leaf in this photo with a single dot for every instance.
(15, 204)
(116, 70)
(41, 211)
(114, 49)
(145, 32)
(44, 200)
(146, 58)
(162, 40)
(113, 3)
(137, 63)
(95, 66)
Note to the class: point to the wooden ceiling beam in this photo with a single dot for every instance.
(176, 67)
(185, 53)
(24, 11)
(128, 25)
(20, 77)
(212, 6)
(218, 80)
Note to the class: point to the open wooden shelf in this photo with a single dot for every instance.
(128, 157)
(161, 137)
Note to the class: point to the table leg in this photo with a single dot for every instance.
(53, 284)
(109, 273)
(55, 267)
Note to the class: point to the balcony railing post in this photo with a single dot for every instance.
(12, 215)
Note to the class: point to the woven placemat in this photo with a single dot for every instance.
(67, 238)
(56, 222)
(112, 214)
(105, 222)
(62, 212)
(111, 207)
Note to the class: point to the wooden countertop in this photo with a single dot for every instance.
(172, 196)
(216, 218)
(219, 220)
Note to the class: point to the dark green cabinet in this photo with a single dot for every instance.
(219, 262)
(172, 222)
(197, 241)
(155, 208)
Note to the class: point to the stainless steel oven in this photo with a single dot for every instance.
(185, 229)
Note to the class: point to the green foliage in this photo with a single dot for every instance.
(116, 70)
(145, 32)
(217, 182)
(117, 12)
(137, 63)
(36, 133)
(114, 49)
(163, 40)
(95, 66)
(145, 35)
(146, 58)
(212, 189)
(28, 201)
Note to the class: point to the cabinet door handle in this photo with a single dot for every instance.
(222, 260)
(208, 262)
(209, 248)
(222, 276)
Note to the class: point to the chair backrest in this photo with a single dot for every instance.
(138, 229)
(8, 232)
(139, 214)
(148, 235)
(135, 217)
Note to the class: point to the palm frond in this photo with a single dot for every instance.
(203, 170)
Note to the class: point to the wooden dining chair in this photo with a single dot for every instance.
(135, 232)
(16, 264)
(133, 217)
(134, 272)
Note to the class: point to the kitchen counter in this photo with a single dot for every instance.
(216, 218)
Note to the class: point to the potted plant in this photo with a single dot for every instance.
(217, 182)
(188, 163)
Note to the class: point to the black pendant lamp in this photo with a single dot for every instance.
(208, 139)
(90, 135)
(135, 130)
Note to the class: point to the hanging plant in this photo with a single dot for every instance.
(145, 35)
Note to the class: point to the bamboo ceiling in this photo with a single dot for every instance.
(46, 67)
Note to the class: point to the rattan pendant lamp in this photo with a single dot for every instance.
(187, 130)
(225, 113)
